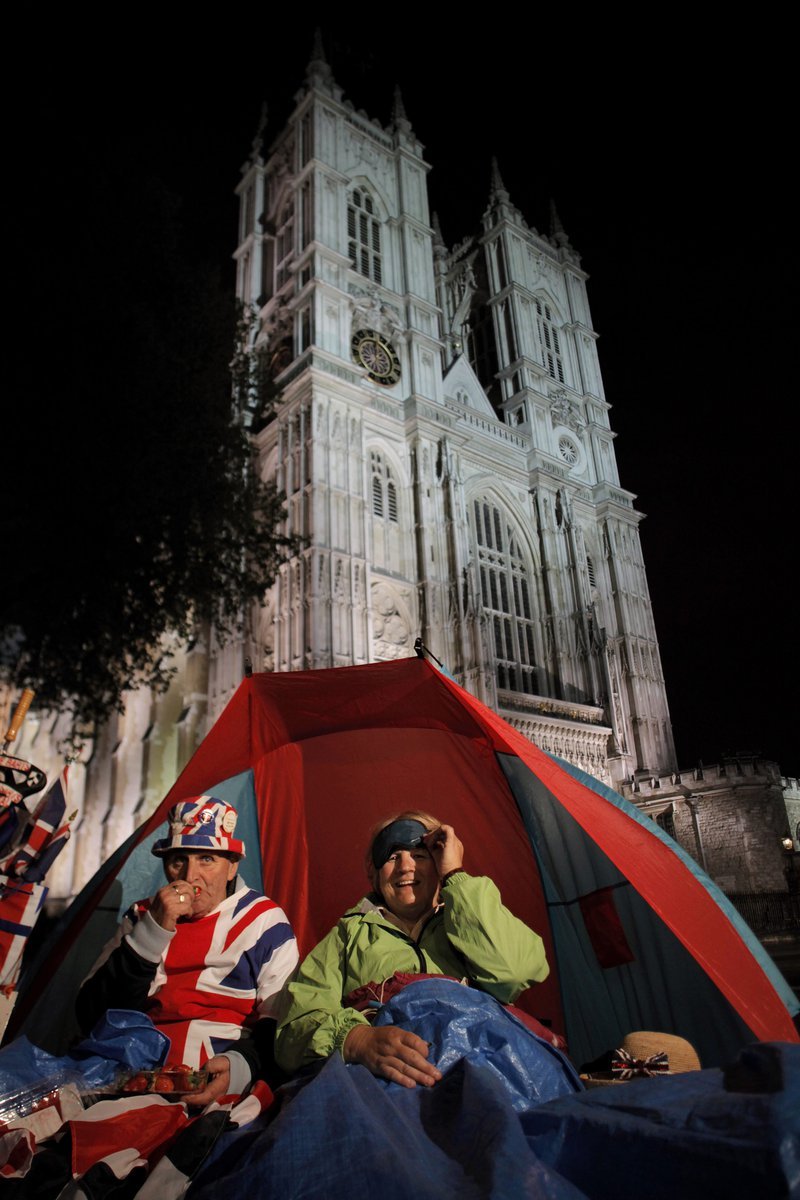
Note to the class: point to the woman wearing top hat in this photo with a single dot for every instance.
(204, 957)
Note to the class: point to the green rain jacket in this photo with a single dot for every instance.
(471, 934)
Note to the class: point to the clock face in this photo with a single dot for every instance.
(376, 355)
(568, 450)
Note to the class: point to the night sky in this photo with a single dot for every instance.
(669, 171)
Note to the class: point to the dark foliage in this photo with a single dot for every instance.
(134, 506)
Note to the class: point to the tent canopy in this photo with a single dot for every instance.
(636, 935)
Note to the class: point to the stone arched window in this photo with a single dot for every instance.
(284, 244)
(383, 489)
(506, 597)
(549, 339)
(390, 533)
(364, 235)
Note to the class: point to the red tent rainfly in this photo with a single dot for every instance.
(636, 935)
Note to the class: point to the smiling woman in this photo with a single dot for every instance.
(409, 884)
(424, 916)
(401, 868)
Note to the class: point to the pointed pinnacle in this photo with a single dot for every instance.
(318, 70)
(258, 140)
(398, 109)
(399, 117)
(498, 188)
(318, 50)
(557, 231)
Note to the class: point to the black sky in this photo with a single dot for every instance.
(668, 158)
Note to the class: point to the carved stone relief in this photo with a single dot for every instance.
(564, 411)
(391, 627)
(370, 311)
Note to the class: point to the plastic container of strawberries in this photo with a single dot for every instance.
(169, 1080)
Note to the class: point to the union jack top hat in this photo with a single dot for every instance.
(201, 823)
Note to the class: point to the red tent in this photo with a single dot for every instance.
(637, 936)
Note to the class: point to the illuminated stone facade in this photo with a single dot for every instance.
(443, 441)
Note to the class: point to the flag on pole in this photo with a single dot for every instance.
(44, 826)
(20, 905)
(22, 891)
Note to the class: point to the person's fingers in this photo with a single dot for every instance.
(409, 1073)
(420, 1069)
(447, 849)
(412, 1054)
(173, 901)
(397, 1075)
(220, 1062)
(405, 1037)
(218, 1085)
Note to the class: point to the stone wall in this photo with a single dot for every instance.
(731, 817)
(791, 797)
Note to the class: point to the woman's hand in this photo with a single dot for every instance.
(391, 1053)
(446, 849)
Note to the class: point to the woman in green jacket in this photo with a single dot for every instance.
(425, 915)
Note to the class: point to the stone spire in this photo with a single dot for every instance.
(318, 72)
(497, 189)
(557, 231)
(399, 117)
(499, 205)
(437, 241)
(258, 140)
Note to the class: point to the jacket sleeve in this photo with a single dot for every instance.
(503, 956)
(313, 1023)
(275, 961)
(124, 973)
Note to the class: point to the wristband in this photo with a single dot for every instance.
(455, 871)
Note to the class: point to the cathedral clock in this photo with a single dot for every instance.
(376, 355)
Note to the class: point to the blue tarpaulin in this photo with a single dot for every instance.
(488, 1129)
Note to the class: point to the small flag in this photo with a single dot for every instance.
(44, 825)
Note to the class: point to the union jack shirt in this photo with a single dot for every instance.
(212, 979)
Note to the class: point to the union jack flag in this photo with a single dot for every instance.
(117, 1140)
(20, 905)
(43, 837)
(22, 892)
(626, 1066)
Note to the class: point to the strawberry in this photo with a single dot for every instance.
(137, 1083)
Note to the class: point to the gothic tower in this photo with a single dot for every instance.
(442, 437)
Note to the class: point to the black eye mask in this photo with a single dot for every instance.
(400, 835)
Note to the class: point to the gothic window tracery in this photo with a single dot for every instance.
(549, 340)
(304, 328)
(284, 245)
(305, 139)
(364, 235)
(506, 598)
(383, 489)
(305, 202)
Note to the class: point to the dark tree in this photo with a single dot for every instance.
(132, 507)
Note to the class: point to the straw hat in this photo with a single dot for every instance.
(644, 1045)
